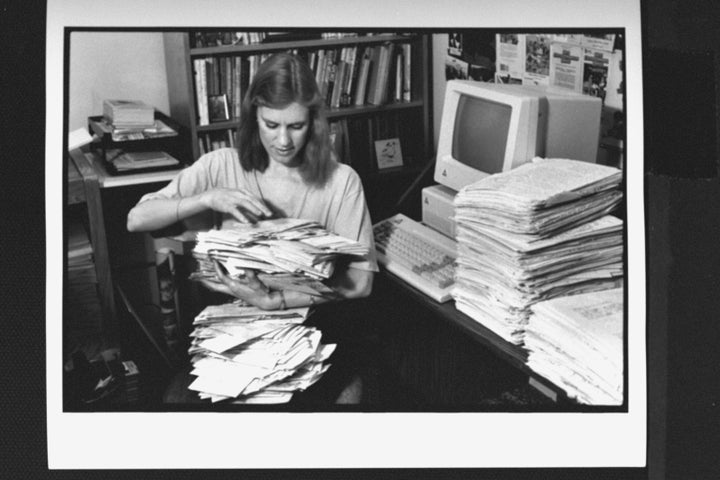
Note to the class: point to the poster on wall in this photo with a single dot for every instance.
(509, 53)
(566, 66)
(595, 72)
(471, 56)
(456, 69)
(537, 60)
(598, 41)
(614, 90)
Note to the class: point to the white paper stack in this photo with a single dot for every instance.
(288, 253)
(128, 113)
(577, 343)
(246, 355)
(537, 232)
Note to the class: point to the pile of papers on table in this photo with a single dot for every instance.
(536, 232)
(246, 355)
(577, 343)
(287, 253)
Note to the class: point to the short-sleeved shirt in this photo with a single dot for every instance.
(339, 205)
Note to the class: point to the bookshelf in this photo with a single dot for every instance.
(399, 107)
(89, 305)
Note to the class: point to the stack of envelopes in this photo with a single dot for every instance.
(287, 253)
(536, 232)
(246, 355)
(577, 342)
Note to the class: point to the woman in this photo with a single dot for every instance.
(284, 167)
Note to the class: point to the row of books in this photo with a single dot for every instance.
(357, 76)
(347, 76)
(81, 304)
(210, 141)
(227, 138)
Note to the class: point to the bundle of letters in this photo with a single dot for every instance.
(243, 354)
(536, 232)
(577, 343)
(287, 253)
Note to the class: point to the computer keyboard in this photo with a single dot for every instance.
(417, 254)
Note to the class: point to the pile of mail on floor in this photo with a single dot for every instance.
(246, 355)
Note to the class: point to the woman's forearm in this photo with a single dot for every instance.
(161, 212)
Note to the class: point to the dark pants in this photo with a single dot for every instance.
(349, 325)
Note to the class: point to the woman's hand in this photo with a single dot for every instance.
(249, 289)
(241, 205)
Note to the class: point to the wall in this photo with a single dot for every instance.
(439, 51)
(128, 65)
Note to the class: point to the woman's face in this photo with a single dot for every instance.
(283, 132)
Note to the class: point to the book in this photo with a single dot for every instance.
(363, 77)
(377, 94)
(407, 71)
(201, 91)
(341, 72)
(351, 78)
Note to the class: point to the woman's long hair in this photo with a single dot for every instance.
(281, 80)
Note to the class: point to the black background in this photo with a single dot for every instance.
(680, 41)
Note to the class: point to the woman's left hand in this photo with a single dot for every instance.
(249, 289)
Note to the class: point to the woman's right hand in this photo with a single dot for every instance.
(243, 206)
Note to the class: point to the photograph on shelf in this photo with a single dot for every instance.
(389, 153)
(219, 110)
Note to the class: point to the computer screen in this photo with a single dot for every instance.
(489, 128)
(480, 133)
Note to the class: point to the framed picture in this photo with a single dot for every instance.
(388, 153)
(218, 107)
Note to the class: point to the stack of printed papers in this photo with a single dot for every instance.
(288, 253)
(577, 343)
(537, 232)
(246, 355)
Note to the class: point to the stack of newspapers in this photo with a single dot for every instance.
(577, 343)
(537, 232)
(242, 354)
(286, 253)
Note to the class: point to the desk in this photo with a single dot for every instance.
(457, 345)
(86, 176)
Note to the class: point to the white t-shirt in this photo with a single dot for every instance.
(339, 205)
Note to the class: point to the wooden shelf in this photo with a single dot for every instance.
(410, 121)
(299, 44)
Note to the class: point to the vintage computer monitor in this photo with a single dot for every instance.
(488, 128)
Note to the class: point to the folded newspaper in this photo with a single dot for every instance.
(542, 197)
(577, 343)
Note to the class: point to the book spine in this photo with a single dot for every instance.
(228, 74)
(201, 91)
(319, 66)
(340, 74)
(329, 84)
(362, 79)
(373, 74)
(350, 77)
(407, 69)
(236, 88)
(378, 92)
(399, 76)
